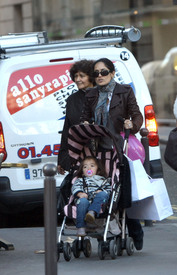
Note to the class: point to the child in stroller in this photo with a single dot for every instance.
(111, 235)
(91, 189)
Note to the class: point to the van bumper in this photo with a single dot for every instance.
(14, 202)
(26, 200)
(156, 169)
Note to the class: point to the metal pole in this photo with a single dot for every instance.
(50, 219)
(145, 142)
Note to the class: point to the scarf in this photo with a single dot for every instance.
(101, 110)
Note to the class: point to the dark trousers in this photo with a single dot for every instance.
(135, 229)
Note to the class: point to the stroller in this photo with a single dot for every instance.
(111, 232)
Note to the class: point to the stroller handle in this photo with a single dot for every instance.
(127, 131)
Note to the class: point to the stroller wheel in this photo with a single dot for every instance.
(75, 248)
(58, 252)
(119, 247)
(113, 249)
(129, 246)
(67, 251)
(87, 248)
(101, 250)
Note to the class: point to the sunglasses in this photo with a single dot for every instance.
(103, 73)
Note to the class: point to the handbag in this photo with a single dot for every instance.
(170, 154)
(140, 183)
(156, 207)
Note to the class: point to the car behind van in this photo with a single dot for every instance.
(35, 84)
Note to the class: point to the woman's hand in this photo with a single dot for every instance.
(61, 170)
(128, 124)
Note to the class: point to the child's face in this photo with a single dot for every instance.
(89, 168)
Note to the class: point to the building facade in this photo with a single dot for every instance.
(63, 19)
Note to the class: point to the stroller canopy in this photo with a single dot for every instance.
(80, 135)
(115, 163)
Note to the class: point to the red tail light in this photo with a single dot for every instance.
(2, 143)
(151, 125)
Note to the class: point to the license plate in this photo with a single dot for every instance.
(34, 174)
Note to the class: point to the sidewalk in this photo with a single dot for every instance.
(159, 249)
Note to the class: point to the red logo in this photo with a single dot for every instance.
(30, 85)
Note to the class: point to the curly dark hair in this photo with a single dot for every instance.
(85, 66)
(101, 171)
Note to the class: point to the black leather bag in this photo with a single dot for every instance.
(170, 154)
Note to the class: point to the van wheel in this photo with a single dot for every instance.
(4, 220)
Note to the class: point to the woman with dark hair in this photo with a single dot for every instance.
(81, 74)
(83, 66)
(107, 103)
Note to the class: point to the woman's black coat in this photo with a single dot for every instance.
(74, 108)
(123, 104)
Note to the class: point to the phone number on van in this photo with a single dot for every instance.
(48, 150)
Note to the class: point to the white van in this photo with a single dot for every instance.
(34, 86)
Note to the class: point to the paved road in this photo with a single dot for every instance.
(158, 257)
